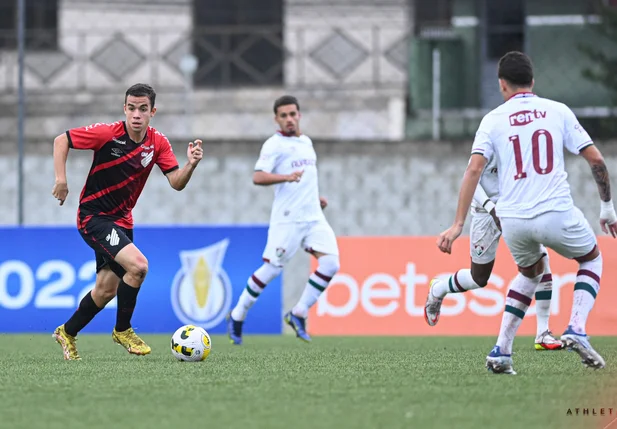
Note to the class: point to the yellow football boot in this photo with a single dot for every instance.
(69, 348)
(131, 342)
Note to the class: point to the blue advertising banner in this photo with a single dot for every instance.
(195, 276)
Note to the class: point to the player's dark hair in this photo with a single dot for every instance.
(141, 90)
(516, 69)
(285, 100)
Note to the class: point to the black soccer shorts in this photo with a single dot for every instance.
(106, 239)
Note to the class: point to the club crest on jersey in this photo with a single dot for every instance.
(526, 117)
(280, 252)
(201, 291)
(146, 158)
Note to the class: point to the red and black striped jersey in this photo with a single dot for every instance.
(120, 168)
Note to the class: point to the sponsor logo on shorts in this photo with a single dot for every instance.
(201, 291)
(113, 238)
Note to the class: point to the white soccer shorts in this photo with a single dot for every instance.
(567, 233)
(284, 240)
(483, 238)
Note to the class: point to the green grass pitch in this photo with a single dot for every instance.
(279, 382)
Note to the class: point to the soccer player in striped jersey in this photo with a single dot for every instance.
(124, 154)
(528, 134)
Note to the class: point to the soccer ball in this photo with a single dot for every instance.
(190, 344)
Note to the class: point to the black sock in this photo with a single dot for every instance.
(84, 314)
(127, 297)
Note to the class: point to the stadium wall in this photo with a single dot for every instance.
(377, 188)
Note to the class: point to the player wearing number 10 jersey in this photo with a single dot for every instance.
(527, 135)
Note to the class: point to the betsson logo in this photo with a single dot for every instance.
(383, 294)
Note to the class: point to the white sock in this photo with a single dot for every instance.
(585, 291)
(461, 281)
(309, 297)
(517, 303)
(317, 283)
(255, 286)
(544, 293)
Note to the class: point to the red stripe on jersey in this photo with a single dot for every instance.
(121, 207)
(114, 187)
(82, 224)
(120, 160)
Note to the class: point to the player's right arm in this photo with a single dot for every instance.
(61, 153)
(268, 157)
(481, 198)
(90, 137)
(481, 152)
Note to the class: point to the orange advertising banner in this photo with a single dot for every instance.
(383, 281)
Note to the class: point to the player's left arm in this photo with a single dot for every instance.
(608, 217)
(323, 201)
(578, 142)
(179, 177)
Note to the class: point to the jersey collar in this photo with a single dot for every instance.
(126, 131)
(521, 95)
(284, 134)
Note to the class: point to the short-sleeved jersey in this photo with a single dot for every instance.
(120, 168)
(293, 201)
(527, 134)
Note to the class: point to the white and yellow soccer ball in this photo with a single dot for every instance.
(190, 344)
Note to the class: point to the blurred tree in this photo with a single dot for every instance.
(603, 59)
